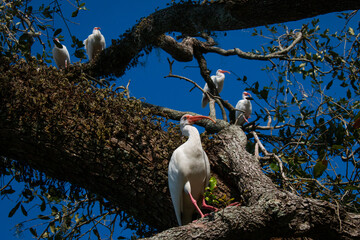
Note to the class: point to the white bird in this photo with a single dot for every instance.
(244, 105)
(189, 173)
(218, 79)
(60, 55)
(95, 43)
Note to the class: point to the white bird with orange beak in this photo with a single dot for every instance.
(60, 54)
(95, 43)
(218, 80)
(189, 172)
(244, 109)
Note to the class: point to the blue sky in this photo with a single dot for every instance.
(147, 79)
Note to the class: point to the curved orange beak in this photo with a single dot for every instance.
(193, 119)
(224, 71)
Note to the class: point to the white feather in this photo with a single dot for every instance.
(245, 107)
(189, 171)
(218, 80)
(61, 56)
(94, 44)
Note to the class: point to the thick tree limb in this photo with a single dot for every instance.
(269, 212)
(176, 115)
(111, 146)
(192, 19)
(304, 217)
(94, 139)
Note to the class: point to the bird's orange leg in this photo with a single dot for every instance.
(196, 206)
(246, 119)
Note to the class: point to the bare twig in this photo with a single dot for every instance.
(247, 55)
(126, 89)
(7, 184)
(281, 167)
(186, 79)
(205, 73)
(207, 94)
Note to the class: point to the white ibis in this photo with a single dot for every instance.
(189, 173)
(218, 79)
(95, 43)
(60, 54)
(244, 105)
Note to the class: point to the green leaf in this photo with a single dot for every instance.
(7, 191)
(13, 211)
(348, 93)
(97, 233)
(337, 147)
(351, 31)
(33, 232)
(351, 187)
(264, 94)
(52, 227)
(256, 86)
(319, 168)
(23, 210)
(54, 210)
(274, 167)
(42, 27)
(47, 12)
(57, 32)
(43, 217)
(80, 53)
(43, 206)
(302, 65)
(75, 13)
(329, 84)
(212, 183)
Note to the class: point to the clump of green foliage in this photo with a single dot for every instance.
(212, 198)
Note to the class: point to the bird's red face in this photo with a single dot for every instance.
(192, 119)
(224, 71)
(97, 28)
(247, 95)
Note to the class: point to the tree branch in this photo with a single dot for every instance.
(306, 217)
(187, 18)
(268, 211)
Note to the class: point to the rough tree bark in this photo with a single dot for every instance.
(268, 211)
(191, 19)
(124, 168)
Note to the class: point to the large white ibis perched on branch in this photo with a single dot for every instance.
(60, 54)
(95, 43)
(218, 80)
(244, 105)
(189, 173)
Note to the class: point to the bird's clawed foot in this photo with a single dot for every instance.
(208, 207)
